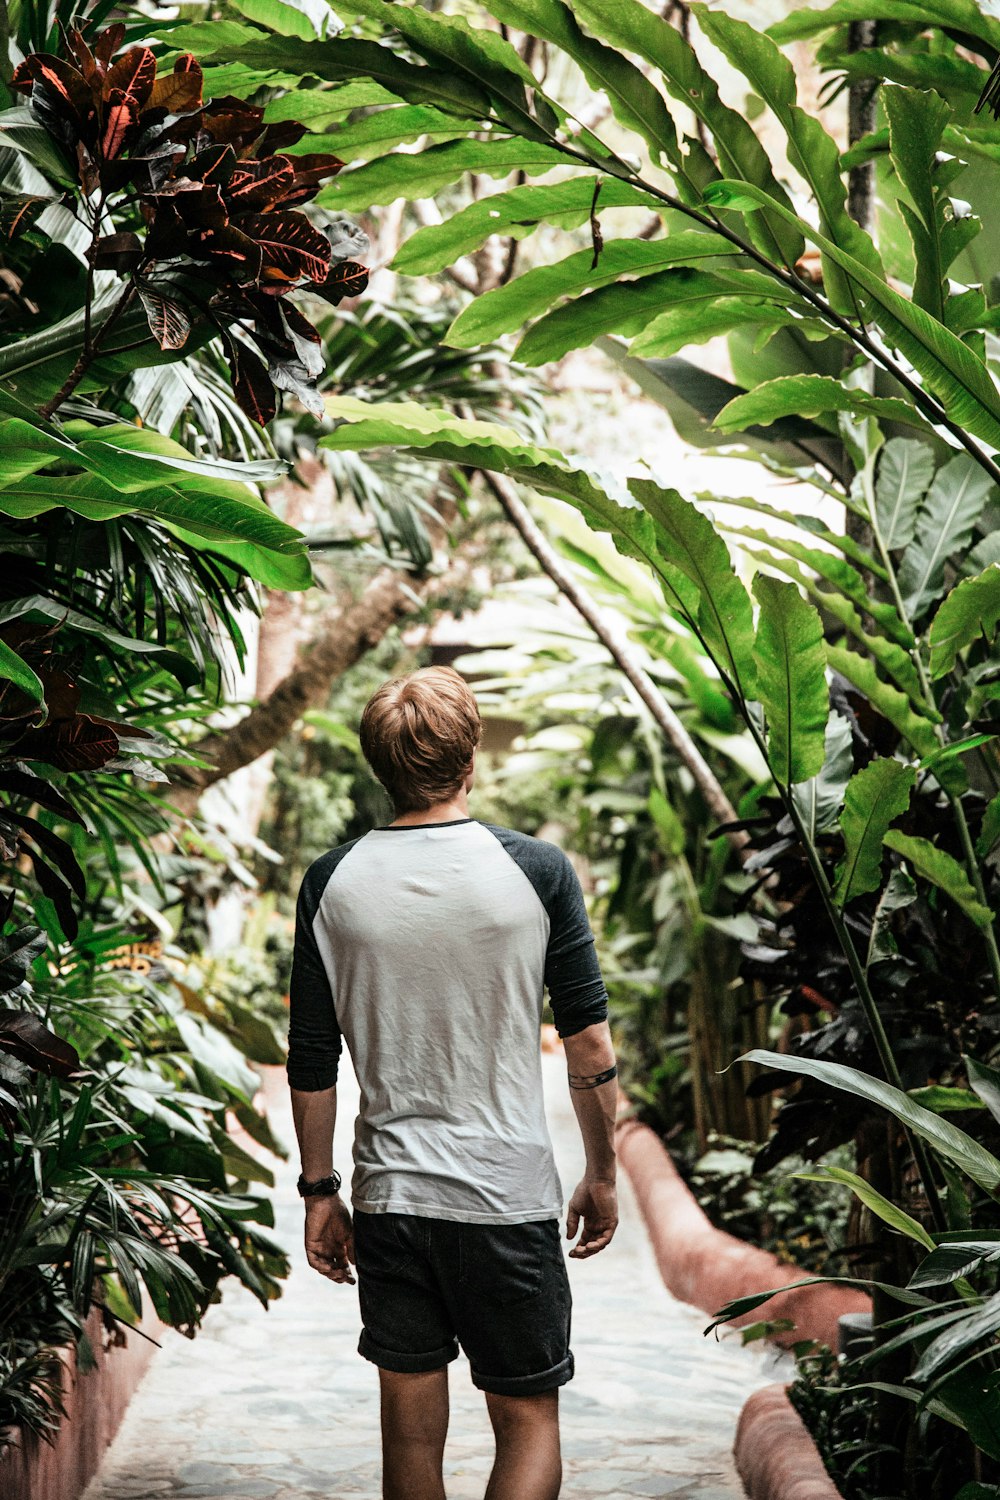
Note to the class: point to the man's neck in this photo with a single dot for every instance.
(442, 812)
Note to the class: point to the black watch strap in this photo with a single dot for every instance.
(323, 1187)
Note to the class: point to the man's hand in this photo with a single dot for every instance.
(596, 1203)
(330, 1238)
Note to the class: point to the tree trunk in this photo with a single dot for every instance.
(622, 655)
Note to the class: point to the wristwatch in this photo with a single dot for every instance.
(323, 1187)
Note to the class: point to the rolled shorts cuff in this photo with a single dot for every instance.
(526, 1385)
(406, 1362)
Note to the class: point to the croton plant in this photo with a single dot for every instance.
(216, 237)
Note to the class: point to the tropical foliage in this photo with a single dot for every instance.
(860, 664)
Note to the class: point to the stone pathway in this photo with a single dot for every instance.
(279, 1405)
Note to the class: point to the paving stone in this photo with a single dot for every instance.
(276, 1403)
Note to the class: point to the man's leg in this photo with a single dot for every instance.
(414, 1427)
(528, 1463)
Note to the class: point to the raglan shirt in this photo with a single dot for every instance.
(427, 948)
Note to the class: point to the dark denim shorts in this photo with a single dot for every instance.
(501, 1291)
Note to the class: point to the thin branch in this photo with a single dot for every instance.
(621, 653)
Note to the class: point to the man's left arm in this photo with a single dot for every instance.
(329, 1231)
(314, 1047)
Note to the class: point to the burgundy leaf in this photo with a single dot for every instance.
(251, 383)
(167, 236)
(118, 252)
(23, 1035)
(18, 211)
(168, 320)
(200, 205)
(280, 136)
(310, 172)
(85, 60)
(214, 164)
(232, 122)
(346, 279)
(289, 244)
(108, 42)
(61, 82)
(76, 744)
(121, 116)
(132, 75)
(180, 90)
(258, 185)
(237, 250)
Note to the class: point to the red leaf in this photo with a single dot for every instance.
(280, 136)
(120, 117)
(168, 321)
(108, 42)
(77, 744)
(200, 205)
(258, 185)
(310, 171)
(118, 252)
(251, 383)
(289, 244)
(346, 279)
(64, 85)
(230, 121)
(179, 91)
(84, 58)
(23, 1035)
(237, 250)
(19, 211)
(214, 164)
(134, 74)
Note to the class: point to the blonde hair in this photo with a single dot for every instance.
(418, 734)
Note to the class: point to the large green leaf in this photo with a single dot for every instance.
(791, 680)
(811, 396)
(702, 305)
(949, 369)
(421, 174)
(344, 60)
(819, 800)
(951, 507)
(634, 99)
(916, 120)
(974, 1160)
(916, 728)
(672, 536)
(960, 15)
(636, 28)
(811, 150)
(894, 659)
(515, 213)
(905, 469)
(15, 669)
(890, 1213)
(970, 612)
(693, 398)
(376, 133)
(689, 540)
(527, 296)
(984, 1081)
(481, 57)
(979, 1326)
(873, 798)
(320, 107)
(942, 870)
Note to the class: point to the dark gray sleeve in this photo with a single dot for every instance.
(314, 1040)
(572, 974)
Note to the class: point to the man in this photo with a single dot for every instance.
(427, 945)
